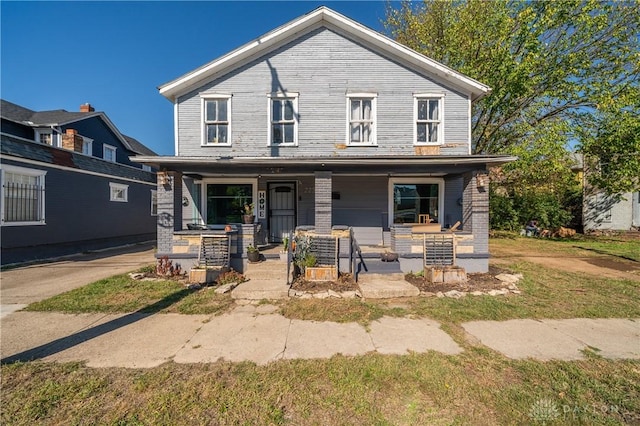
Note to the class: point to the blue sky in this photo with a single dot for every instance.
(114, 55)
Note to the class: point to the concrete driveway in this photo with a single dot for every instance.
(24, 285)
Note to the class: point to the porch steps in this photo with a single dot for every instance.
(385, 286)
(267, 280)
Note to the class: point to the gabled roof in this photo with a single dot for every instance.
(61, 117)
(322, 16)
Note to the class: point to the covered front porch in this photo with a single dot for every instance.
(390, 203)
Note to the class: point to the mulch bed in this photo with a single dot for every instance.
(476, 282)
(345, 282)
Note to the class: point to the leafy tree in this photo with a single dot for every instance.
(562, 73)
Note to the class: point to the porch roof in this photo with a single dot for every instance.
(434, 164)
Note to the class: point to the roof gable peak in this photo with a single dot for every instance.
(319, 17)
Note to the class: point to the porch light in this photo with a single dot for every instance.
(482, 180)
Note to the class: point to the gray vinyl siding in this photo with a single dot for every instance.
(322, 66)
(78, 211)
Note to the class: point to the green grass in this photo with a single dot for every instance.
(580, 245)
(476, 387)
(120, 294)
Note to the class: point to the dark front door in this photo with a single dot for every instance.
(282, 210)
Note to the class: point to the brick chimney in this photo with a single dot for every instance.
(72, 140)
(87, 108)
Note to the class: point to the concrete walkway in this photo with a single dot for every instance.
(256, 333)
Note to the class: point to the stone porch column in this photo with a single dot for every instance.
(323, 202)
(169, 209)
(475, 210)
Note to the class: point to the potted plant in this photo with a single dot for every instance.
(247, 214)
(253, 254)
(285, 251)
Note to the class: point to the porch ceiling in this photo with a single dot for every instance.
(291, 165)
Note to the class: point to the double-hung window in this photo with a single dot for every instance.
(283, 119)
(428, 111)
(22, 196)
(361, 119)
(109, 153)
(216, 112)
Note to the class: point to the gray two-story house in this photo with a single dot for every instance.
(324, 122)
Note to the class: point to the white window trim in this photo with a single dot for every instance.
(29, 172)
(105, 148)
(203, 115)
(89, 143)
(206, 181)
(55, 136)
(439, 181)
(374, 118)
(154, 195)
(119, 186)
(422, 96)
(283, 95)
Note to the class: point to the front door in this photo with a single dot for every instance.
(282, 210)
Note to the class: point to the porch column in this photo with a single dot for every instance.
(169, 209)
(323, 202)
(475, 210)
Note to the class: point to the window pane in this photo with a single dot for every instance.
(222, 133)
(366, 109)
(422, 110)
(433, 110)
(22, 198)
(222, 110)
(355, 110)
(276, 111)
(277, 133)
(225, 202)
(366, 133)
(422, 132)
(433, 132)
(212, 133)
(411, 200)
(355, 133)
(288, 110)
(211, 110)
(288, 133)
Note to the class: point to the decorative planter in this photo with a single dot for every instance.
(283, 255)
(321, 273)
(253, 256)
(248, 218)
(203, 275)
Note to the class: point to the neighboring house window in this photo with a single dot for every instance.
(225, 201)
(154, 202)
(428, 111)
(361, 113)
(47, 137)
(414, 197)
(283, 117)
(87, 146)
(118, 192)
(146, 168)
(109, 153)
(22, 196)
(216, 112)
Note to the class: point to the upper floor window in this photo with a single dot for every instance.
(22, 196)
(361, 113)
(47, 137)
(87, 146)
(283, 118)
(429, 128)
(216, 121)
(109, 153)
